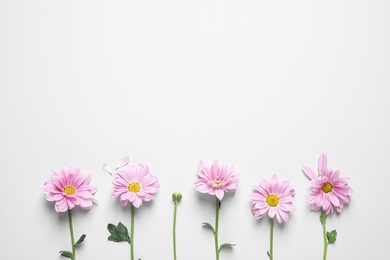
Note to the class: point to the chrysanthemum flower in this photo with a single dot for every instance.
(273, 197)
(69, 188)
(216, 180)
(135, 184)
(328, 191)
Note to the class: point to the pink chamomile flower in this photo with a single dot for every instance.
(272, 197)
(215, 180)
(328, 191)
(69, 188)
(135, 184)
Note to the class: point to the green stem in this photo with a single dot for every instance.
(71, 234)
(216, 228)
(174, 231)
(271, 238)
(326, 243)
(132, 233)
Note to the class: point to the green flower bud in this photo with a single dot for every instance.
(176, 196)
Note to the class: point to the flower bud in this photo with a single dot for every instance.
(176, 196)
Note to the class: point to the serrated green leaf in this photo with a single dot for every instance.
(81, 239)
(118, 233)
(225, 245)
(331, 236)
(208, 225)
(66, 254)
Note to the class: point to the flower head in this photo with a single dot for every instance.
(135, 184)
(328, 191)
(215, 180)
(69, 188)
(274, 197)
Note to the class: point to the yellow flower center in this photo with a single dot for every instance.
(217, 182)
(327, 187)
(69, 190)
(272, 200)
(134, 187)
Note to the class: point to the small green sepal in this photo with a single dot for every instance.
(66, 254)
(208, 225)
(323, 218)
(225, 245)
(118, 233)
(81, 239)
(331, 236)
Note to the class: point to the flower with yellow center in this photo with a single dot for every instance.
(135, 185)
(274, 198)
(216, 179)
(70, 188)
(329, 192)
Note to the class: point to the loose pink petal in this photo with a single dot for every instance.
(122, 163)
(309, 172)
(107, 169)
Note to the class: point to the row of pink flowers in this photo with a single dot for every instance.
(328, 191)
(273, 197)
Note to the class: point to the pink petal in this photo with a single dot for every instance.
(322, 163)
(219, 193)
(309, 173)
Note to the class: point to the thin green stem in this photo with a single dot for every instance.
(174, 231)
(217, 204)
(271, 238)
(71, 234)
(132, 233)
(326, 243)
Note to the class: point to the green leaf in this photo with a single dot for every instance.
(323, 218)
(208, 225)
(331, 236)
(81, 239)
(225, 245)
(66, 254)
(118, 233)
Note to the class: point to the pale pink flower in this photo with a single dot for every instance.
(69, 188)
(328, 191)
(135, 184)
(272, 197)
(215, 180)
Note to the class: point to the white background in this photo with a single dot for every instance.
(263, 85)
